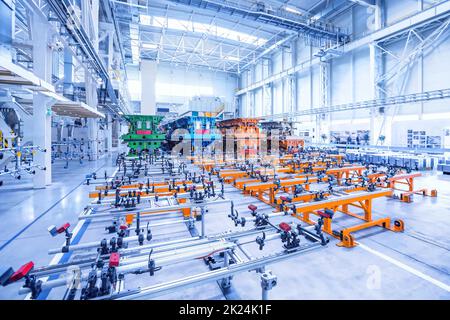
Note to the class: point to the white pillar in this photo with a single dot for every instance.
(93, 138)
(148, 82)
(115, 134)
(376, 70)
(109, 133)
(42, 135)
(323, 120)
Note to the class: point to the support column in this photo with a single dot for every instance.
(115, 134)
(283, 84)
(267, 94)
(42, 135)
(270, 73)
(92, 101)
(68, 74)
(253, 93)
(292, 93)
(109, 133)
(323, 120)
(251, 104)
(93, 139)
(293, 78)
(375, 72)
(148, 81)
(377, 122)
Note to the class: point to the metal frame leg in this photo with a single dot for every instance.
(268, 281)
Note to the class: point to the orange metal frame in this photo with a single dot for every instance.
(362, 201)
(346, 172)
(266, 191)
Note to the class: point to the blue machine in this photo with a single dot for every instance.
(201, 129)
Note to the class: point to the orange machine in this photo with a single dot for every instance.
(243, 137)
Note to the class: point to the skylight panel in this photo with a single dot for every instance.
(179, 24)
(145, 20)
(213, 30)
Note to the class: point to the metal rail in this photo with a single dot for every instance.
(367, 104)
(195, 280)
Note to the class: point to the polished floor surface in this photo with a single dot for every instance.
(386, 265)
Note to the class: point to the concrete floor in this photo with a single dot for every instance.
(26, 214)
(386, 265)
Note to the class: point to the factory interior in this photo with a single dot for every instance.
(225, 150)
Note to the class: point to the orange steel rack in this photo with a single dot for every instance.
(397, 182)
(326, 210)
(346, 172)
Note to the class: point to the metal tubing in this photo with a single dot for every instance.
(161, 259)
(195, 280)
(150, 210)
(96, 244)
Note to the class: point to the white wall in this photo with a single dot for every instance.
(432, 127)
(195, 82)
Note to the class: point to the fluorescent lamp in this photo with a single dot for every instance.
(149, 46)
(292, 9)
(231, 58)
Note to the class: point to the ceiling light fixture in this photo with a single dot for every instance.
(232, 58)
(292, 10)
(149, 46)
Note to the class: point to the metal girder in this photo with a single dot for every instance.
(268, 51)
(387, 102)
(304, 26)
(410, 56)
(162, 38)
(189, 34)
(422, 19)
(365, 3)
(110, 14)
(332, 8)
(78, 34)
(224, 19)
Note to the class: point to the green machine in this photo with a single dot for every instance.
(143, 133)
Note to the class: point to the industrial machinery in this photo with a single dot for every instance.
(240, 138)
(283, 132)
(197, 129)
(126, 244)
(143, 134)
(16, 158)
(149, 193)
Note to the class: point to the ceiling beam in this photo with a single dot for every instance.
(305, 26)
